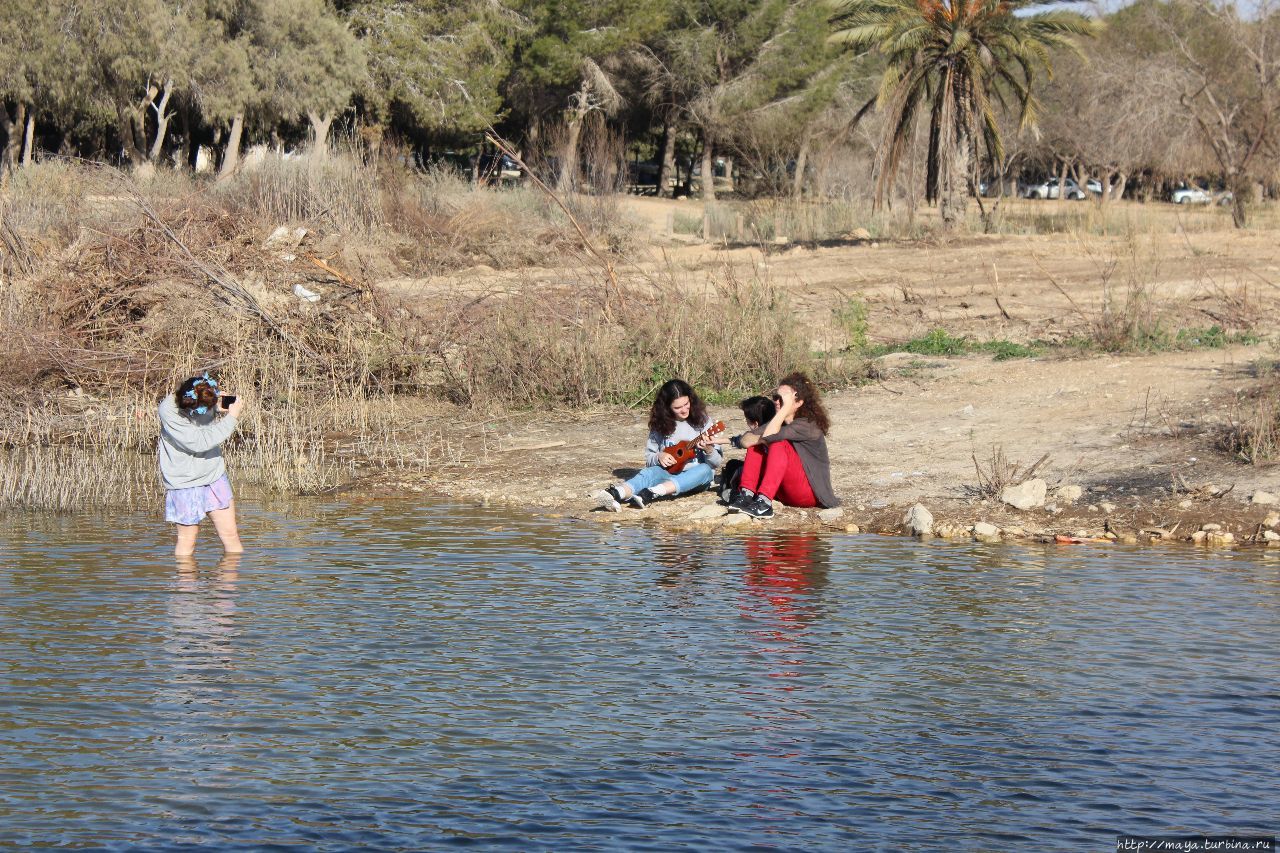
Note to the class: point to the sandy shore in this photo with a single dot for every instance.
(1136, 434)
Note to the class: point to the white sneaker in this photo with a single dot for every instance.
(605, 500)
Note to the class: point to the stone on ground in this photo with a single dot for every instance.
(831, 514)
(918, 521)
(1068, 494)
(1025, 495)
(708, 511)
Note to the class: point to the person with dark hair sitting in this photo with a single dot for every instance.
(678, 414)
(788, 459)
(756, 411)
(194, 422)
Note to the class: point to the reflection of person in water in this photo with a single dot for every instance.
(785, 576)
(786, 571)
(200, 662)
(201, 615)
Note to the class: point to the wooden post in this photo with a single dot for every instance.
(737, 221)
(706, 225)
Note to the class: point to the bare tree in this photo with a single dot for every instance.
(596, 93)
(1231, 89)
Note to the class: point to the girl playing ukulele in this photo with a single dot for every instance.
(678, 414)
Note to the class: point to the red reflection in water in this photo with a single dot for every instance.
(784, 574)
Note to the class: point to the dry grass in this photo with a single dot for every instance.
(570, 347)
(174, 279)
(63, 479)
(1140, 311)
(1253, 432)
(1127, 219)
(998, 471)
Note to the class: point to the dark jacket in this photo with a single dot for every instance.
(811, 447)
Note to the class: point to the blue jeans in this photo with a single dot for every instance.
(695, 476)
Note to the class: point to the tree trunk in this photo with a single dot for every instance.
(231, 156)
(802, 161)
(708, 180)
(28, 138)
(728, 174)
(13, 134)
(320, 123)
(955, 194)
(1105, 177)
(1062, 181)
(190, 144)
(131, 146)
(569, 153)
(162, 121)
(1241, 188)
(1121, 181)
(668, 169)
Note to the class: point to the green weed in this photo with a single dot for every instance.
(940, 342)
(852, 318)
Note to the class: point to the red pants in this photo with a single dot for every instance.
(777, 473)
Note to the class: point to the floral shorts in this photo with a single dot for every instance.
(189, 506)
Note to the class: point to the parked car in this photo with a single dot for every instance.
(642, 177)
(1197, 195)
(1049, 189)
(496, 168)
(1094, 187)
(1190, 195)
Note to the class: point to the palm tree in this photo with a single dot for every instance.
(959, 59)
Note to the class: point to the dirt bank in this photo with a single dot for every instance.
(1139, 433)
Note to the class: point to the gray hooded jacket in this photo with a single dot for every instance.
(190, 448)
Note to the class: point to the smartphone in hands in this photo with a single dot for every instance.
(226, 400)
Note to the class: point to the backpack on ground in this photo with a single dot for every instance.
(730, 479)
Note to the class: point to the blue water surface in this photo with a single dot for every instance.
(404, 677)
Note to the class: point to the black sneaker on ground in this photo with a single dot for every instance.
(741, 500)
(760, 507)
(643, 498)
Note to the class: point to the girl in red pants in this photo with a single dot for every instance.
(788, 460)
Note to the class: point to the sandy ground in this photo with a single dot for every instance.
(1138, 432)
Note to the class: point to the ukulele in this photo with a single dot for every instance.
(685, 451)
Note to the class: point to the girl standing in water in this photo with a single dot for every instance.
(194, 422)
(678, 414)
(788, 460)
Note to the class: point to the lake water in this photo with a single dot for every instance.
(403, 676)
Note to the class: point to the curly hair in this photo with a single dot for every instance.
(812, 410)
(196, 392)
(661, 420)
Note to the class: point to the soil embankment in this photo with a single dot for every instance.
(1139, 433)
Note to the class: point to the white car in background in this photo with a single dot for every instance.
(1094, 186)
(1049, 189)
(1190, 195)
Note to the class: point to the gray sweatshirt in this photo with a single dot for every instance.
(683, 432)
(190, 447)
